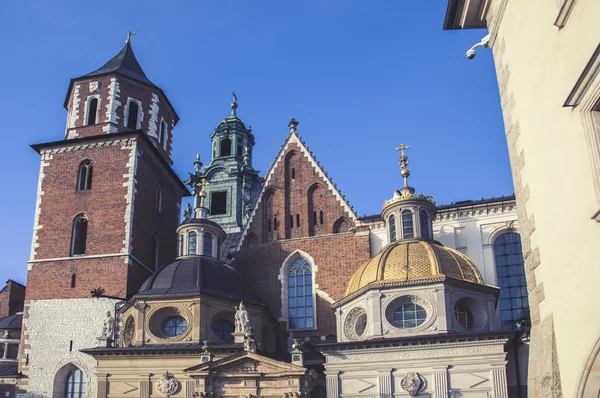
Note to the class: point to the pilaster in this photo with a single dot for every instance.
(385, 384)
(333, 384)
(499, 382)
(440, 382)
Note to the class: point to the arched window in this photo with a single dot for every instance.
(192, 237)
(84, 177)
(207, 245)
(162, 133)
(79, 236)
(181, 243)
(392, 227)
(91, 111)
(321, 217)
(159, 198)
(75, 387)
(155, 252)
(132, 115)
(223, 330)
(407, 225)
(300, 296)
(226, 147)
(424, 220)
(514, 304)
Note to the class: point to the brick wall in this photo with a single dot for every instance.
(336, 258)
(12, 297)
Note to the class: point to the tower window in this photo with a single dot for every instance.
(226, 147)
(239, 149)
(407, 225)
(84, 177)
(91, 112)
(269, 225)
(275, 224)
(132, 115)
(424, 220)
(514, 303)
(297, 220)
(162, 133)
(207, 246)
(291, 221)
(73, 279)
(79, 237)
(321, 217)
(159, 198)
(192, 237)
(155, 252)
(218, 203)
(293, 173)
(392, 228)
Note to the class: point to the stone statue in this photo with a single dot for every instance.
(109, 325)
(187, 213)
(242, 321)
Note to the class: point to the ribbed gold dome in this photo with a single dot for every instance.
(416, 259)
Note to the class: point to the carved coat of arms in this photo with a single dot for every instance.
(168, 384)
(412, 383)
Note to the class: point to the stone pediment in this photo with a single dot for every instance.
(247, 364)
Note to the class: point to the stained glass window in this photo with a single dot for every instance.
(514, 303)
(300, 296)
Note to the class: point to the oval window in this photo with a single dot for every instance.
(174, 326)
(408, 315)
(463, 316)
(361, 324)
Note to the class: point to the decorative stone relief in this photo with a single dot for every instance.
(350, 323)
(168, 384)
(93, 86)
(412, 383)
(129, 332)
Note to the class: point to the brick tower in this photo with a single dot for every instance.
(106, 213)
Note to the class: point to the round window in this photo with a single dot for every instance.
(361, 324)
(463, 316)
(223, 330)
(408, 315)
(174, 326)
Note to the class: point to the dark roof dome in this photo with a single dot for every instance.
(195, 275)
(126, 64)
(11, 322)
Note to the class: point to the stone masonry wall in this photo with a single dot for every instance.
(53, 333)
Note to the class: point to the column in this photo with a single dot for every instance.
(385, 384)
(499, 382)
(440, 382)
(102, 386)
(332, 384)
(200, 241)
(5, 351)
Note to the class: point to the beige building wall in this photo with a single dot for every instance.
(541, 50)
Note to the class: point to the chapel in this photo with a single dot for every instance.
(232, 283)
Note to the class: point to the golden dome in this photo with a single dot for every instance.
(414, 260)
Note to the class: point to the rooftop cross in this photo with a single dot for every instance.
(202, 194)
(234, 104)
(404, 172)
(131, 33)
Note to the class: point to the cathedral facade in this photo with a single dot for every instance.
(268, 285)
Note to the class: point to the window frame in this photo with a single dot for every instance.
(88, 114)
(308, 300)
(284, 294)
(392, 228)
(75, 243)
(71, 382)
(85, 175)
(212, 203)
(206, 241)
(138, 120)
(405, 225)
(189, 241)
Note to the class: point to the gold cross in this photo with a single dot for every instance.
(202, 184)
(403, 148)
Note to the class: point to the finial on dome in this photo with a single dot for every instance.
(131, 33)
(197, 163)
(404, 172)
(293, 124)
(234, 104)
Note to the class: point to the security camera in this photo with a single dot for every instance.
(483, 43)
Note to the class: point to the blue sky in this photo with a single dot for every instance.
(361, 77)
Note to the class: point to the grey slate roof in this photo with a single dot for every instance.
(126, 64)
(194, 275)
(12, 322)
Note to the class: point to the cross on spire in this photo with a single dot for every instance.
(234, 104)
(404, 172)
